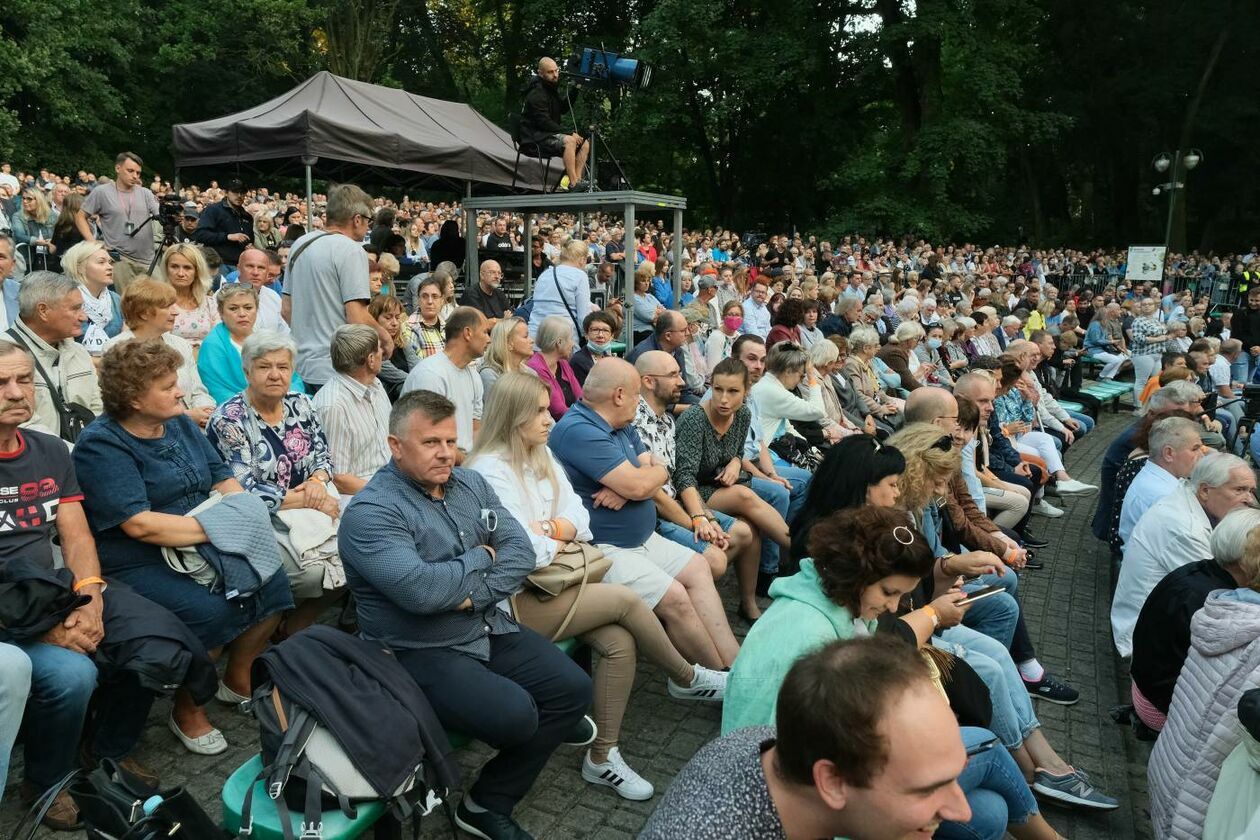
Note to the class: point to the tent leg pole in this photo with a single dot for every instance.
(677, 249)
(471, 269)
(529, 255)
(310, 201)
(627, 268)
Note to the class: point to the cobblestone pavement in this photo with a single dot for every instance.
(1067, 606)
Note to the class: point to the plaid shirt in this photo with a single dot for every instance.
(430, 340)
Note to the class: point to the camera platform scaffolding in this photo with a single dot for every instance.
(626, 203)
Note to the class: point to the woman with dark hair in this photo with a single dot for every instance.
(786, 323)
(709, 472)
(863, 562)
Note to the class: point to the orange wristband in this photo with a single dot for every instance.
(88, 581)
(931, 611)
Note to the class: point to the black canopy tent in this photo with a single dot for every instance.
(343, 130)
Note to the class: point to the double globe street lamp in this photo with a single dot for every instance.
(1177, 165)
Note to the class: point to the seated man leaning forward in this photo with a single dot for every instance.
(617, 476)
(429, 553)
(829, 768)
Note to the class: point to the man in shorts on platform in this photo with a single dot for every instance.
(617, 477)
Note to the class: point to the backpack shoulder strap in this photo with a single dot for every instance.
(53, 391)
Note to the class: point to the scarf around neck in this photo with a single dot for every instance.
(100, 312)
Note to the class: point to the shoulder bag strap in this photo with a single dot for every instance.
(568, 616)
(293, 257)
(555, 277)
(53, 391)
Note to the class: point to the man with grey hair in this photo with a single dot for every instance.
(1008, 331)
(326, 282)
(1174, 447)
(430, 552)
(1175, 531)
(50, 317)
(452, 374)
(353, 408)
(8, 266)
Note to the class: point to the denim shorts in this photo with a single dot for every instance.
(685, 536)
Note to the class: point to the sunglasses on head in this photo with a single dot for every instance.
(945, 444)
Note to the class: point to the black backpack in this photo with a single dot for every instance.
(342, 723)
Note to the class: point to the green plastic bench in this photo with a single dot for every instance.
(1108, 392)
(1068, 405)
(266, 820)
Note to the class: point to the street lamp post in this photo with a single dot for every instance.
(1180, 163)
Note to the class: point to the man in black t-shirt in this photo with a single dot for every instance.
(486, 295)
(499, 237)
(39, 493)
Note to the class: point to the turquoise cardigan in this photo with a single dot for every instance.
(219, 363)
(801, 619)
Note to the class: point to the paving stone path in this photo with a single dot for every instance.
(1067, 608)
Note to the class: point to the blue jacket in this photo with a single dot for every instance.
(663, 290)
(11, 289)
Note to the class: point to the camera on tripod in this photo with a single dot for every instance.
(1251, 402)
(170, 210)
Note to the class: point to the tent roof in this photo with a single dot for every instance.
(357, 130)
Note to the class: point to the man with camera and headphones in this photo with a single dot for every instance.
(541, 126)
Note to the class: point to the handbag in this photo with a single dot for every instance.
(795, 450)
(115, 805)
(577, 563)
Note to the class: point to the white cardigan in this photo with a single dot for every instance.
(776, 404)
(1203, 726)
(195, 393)
(532, 499)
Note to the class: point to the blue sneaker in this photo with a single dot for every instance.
(1074, 788)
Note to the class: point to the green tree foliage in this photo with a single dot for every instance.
(986, 119)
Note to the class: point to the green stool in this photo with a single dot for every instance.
(266, 820)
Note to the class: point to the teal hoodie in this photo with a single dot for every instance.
(800, 620)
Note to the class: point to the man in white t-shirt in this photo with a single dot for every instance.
(326, 282)
(452, 373)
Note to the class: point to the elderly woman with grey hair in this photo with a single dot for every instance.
(900, 357)
(860, 371)
(843, 406)
(555, 345)
(778, 394)
(273, 442)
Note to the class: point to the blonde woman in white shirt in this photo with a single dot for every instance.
(512, 454)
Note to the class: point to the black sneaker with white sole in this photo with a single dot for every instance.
(1052, 690)
(489, 825)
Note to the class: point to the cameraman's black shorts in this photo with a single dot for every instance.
(552, 146)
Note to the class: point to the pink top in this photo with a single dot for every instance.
(558, 407)
(193, 325)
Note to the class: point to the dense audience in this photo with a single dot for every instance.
(863, 430)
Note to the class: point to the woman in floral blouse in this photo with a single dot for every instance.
(272, 440)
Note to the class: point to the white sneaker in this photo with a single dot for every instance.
(1044, 508)
(618, 775)
(707, 685)
(1072, 487)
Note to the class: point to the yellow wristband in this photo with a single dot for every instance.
(89, 581)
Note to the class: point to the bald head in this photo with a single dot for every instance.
(655, 363)
(548, 70)
(928, 405)
(609, 375)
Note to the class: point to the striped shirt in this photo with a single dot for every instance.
(355, 418)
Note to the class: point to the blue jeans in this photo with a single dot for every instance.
(997, 615)
(996, 791)
(685, 536)
(1013, 717)
(62, 683)
(1086, 423)
(15, 686)
(787, 503)
(1240, 368)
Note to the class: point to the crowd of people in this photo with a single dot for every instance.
(263, 425)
